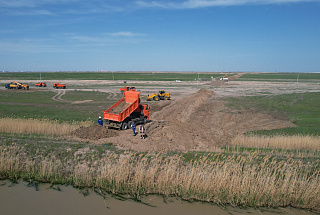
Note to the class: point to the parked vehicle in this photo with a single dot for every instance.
(40, 84)
(59, 86)
(126, 111)
(17, 85)
(162, 95)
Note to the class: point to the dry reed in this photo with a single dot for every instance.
(236, 180)
(295, 142)
(37, 126)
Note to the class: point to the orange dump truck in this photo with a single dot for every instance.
(59, 86)
(127, 110)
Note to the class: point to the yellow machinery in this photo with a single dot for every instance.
(224, 78)
(162, 95)
(154, 96)
(17, 85)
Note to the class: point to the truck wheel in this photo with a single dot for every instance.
(144, 121)
(124, 126)
(129, 124)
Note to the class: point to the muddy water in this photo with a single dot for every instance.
(18, 199)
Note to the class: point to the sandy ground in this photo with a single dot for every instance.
(196, 119)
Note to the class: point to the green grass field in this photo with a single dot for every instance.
(39, 104)
(291, 77)
(302, 109)
(141, 76)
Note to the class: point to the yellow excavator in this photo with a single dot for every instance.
(224, 78)
(162, 95)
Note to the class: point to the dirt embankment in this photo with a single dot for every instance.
(198, 122)
(94, 132)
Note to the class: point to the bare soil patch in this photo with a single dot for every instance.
(81, 102)
(119, 108)
(94, 132)
(198, 122)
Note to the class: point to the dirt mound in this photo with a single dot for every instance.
(201, 122)
(94, 132)
(119, 108)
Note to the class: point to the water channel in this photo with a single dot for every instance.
(16, 199)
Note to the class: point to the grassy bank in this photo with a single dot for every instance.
(301, 109)
(286, 77)
(224, 178)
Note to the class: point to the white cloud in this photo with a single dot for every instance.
(212, 3)
(32, 3)
(67, 42)
(125, 34)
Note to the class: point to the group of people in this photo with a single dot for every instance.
(142, 129)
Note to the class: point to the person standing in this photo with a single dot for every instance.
(133, 126)
(142, 130)
(100, 122)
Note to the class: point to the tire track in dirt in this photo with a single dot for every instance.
(58, 96)
(112, 95)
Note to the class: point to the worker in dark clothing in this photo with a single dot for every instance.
(100, 122)
(133, 126)
(142, 130)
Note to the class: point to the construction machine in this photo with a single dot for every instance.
(40, 84)
(126, 111)
(162, 95)
(59, 86)
(153, 96)
(17, 85)
(224, 78)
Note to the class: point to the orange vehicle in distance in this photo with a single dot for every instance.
(40, 84)
(59, 86)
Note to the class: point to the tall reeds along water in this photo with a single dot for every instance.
(250, 180)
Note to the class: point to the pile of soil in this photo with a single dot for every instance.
(94, 132)
(197, 122)
(201, 122)
(119, 108)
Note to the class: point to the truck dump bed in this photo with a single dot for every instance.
(124, 107)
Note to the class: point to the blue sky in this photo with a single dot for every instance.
(146, 35)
